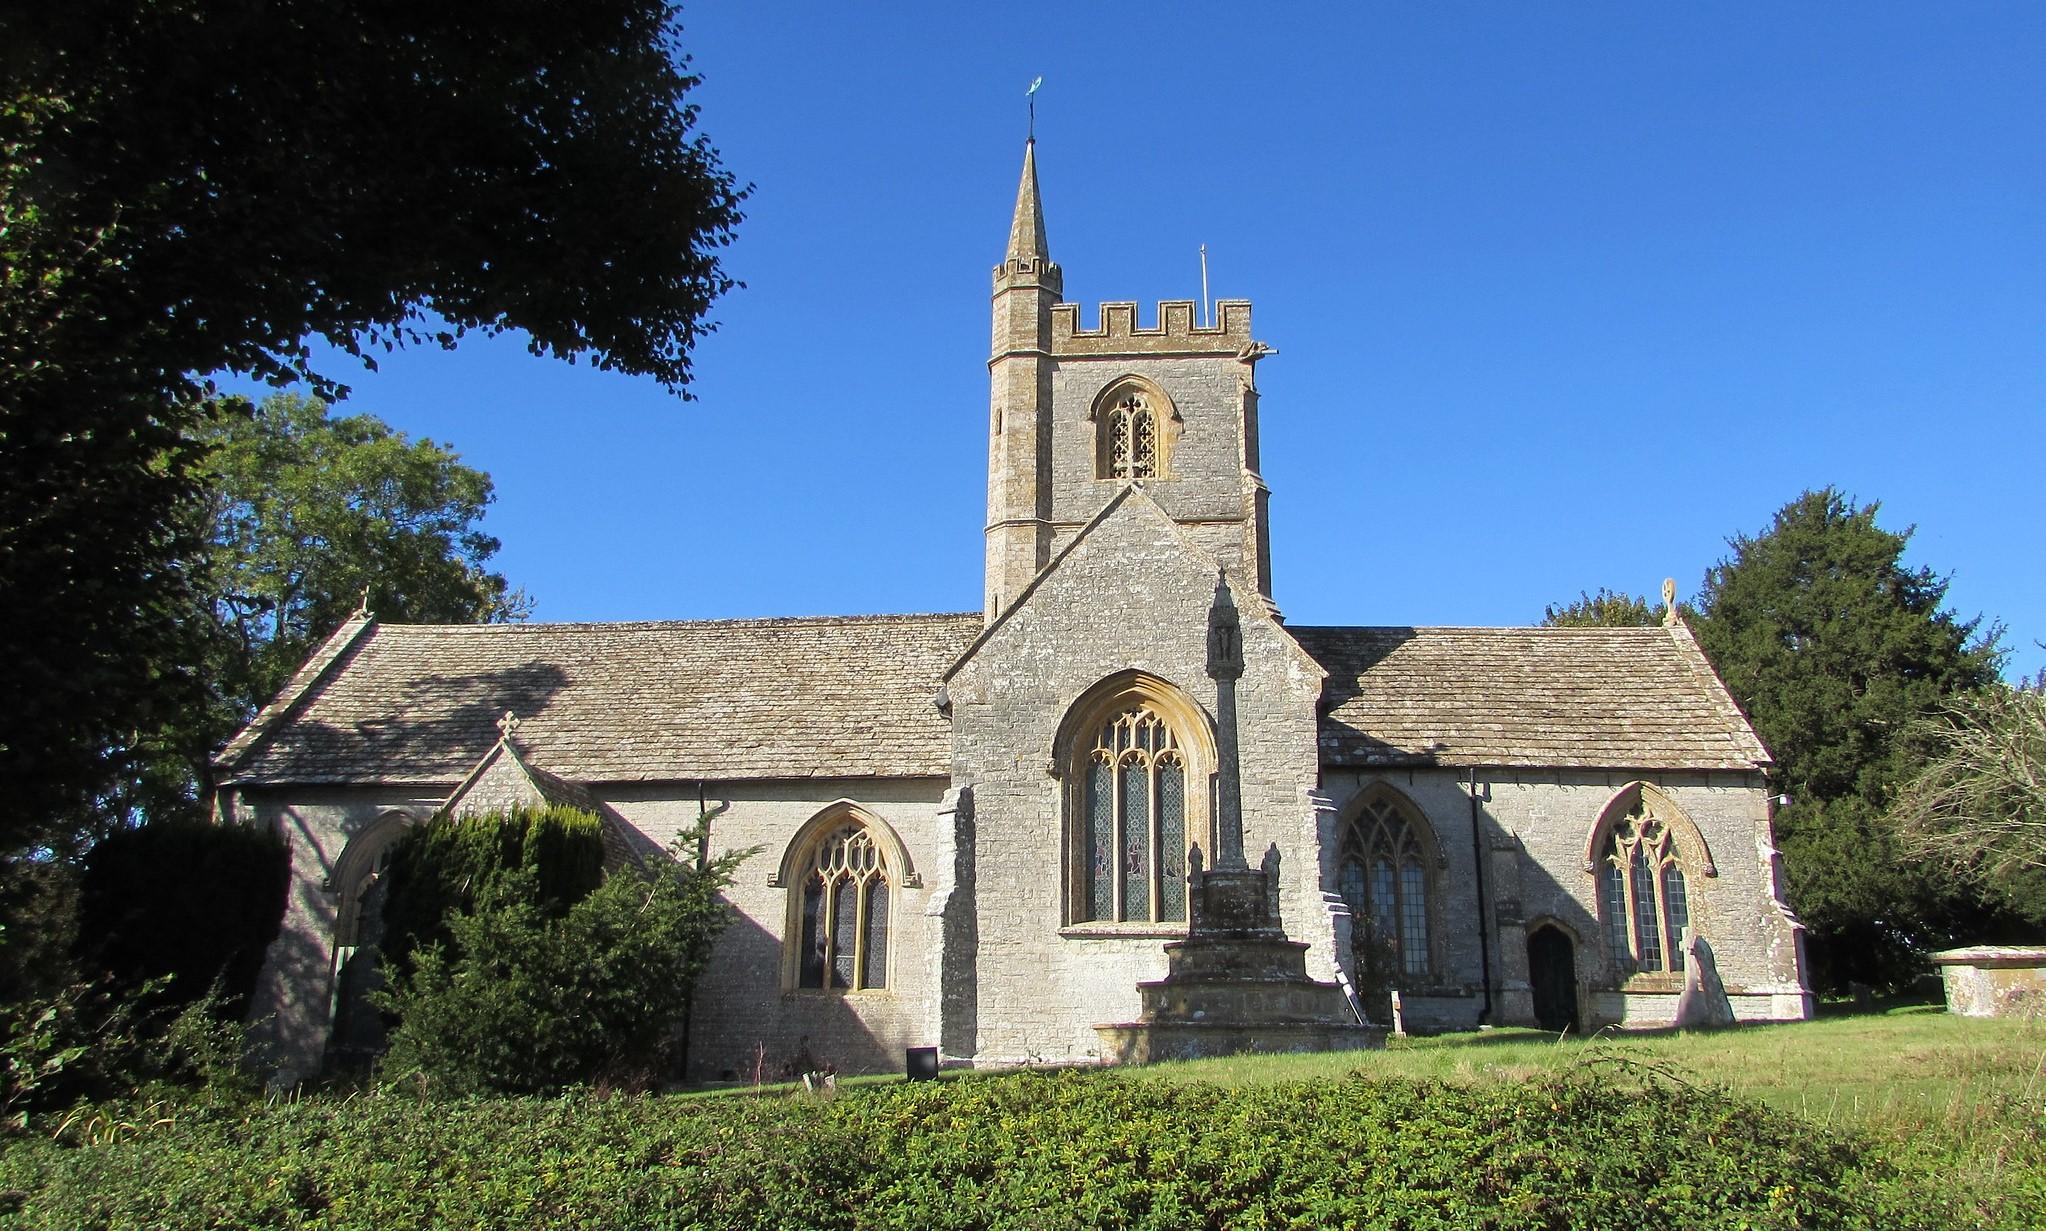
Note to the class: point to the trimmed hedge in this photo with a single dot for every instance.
(1073, 1150)
(199, 903)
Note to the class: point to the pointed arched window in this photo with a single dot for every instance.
(1132, 438)
(842, 911)
(1384, 872)
(1644, 899)
(1134, 835)
(1135, 429)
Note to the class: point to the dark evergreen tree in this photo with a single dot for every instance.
(1834, 648)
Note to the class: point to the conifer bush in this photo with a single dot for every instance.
(540, 972)
(451, 863)
(187, 907)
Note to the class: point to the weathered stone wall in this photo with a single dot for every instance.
(1534, 831)
(744, 1014)
(747, 1013)
(290, 1009)
(1132, 595)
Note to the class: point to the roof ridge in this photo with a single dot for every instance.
(1628, 630)
(530, 626)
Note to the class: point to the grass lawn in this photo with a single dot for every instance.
(1965, 1097)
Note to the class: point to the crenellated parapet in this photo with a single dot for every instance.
(1176, 332)
(1029, 271)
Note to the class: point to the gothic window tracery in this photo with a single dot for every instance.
(1383, 873)
(843, 912)
(1644, 898)
(1132, 430)
(1133, 832)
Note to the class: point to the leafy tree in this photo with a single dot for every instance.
(198, 186)
(304, 517)
(310, 515)
(1606, 609)
(190, 907)
(1834, 647)
(1977, 803)
(533, 996)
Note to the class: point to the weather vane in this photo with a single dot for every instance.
(1031, 94)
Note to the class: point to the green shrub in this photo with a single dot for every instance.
(449, 864)
(187, 906)
(1028, 1151)
(527, 997)
(96, 1042)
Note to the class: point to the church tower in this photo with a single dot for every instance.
(1076, 414)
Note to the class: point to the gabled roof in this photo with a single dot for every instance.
(715, 699)
(504, 779)
(1605, 698)
(850, 697)
(1138, 497)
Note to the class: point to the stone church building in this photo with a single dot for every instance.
(977, 830)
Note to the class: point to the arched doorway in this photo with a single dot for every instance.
(1552, 970)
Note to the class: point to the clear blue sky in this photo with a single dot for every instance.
(1564, 296)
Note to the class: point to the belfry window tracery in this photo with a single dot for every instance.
(1132, 429)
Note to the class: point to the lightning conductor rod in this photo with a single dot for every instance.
(1207, 311)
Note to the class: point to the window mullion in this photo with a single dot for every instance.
(859, 966)
(1115, 862)
(1157, 843)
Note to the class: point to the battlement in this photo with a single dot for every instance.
(1023, 271)
(1175, 333)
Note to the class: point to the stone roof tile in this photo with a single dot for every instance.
(1606, 698)
(720, 699)
(852, 697)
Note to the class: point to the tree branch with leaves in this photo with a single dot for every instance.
(1978, 803)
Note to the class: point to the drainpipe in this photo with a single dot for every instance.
(1484, 919)
(702, 862)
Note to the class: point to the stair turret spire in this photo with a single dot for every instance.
(1026, 232)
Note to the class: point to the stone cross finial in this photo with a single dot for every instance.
(508, 724)
(1225, 633)
(1669, 600)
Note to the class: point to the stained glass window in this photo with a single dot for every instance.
(1382, 872)
(1414, 917)
(1100, 839)
(1135, 789)
(1643, 896)
(874, 969)
(1134, 836)
(844, 924)
(1647, 928)
(1172, 840)
(1619, 930)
